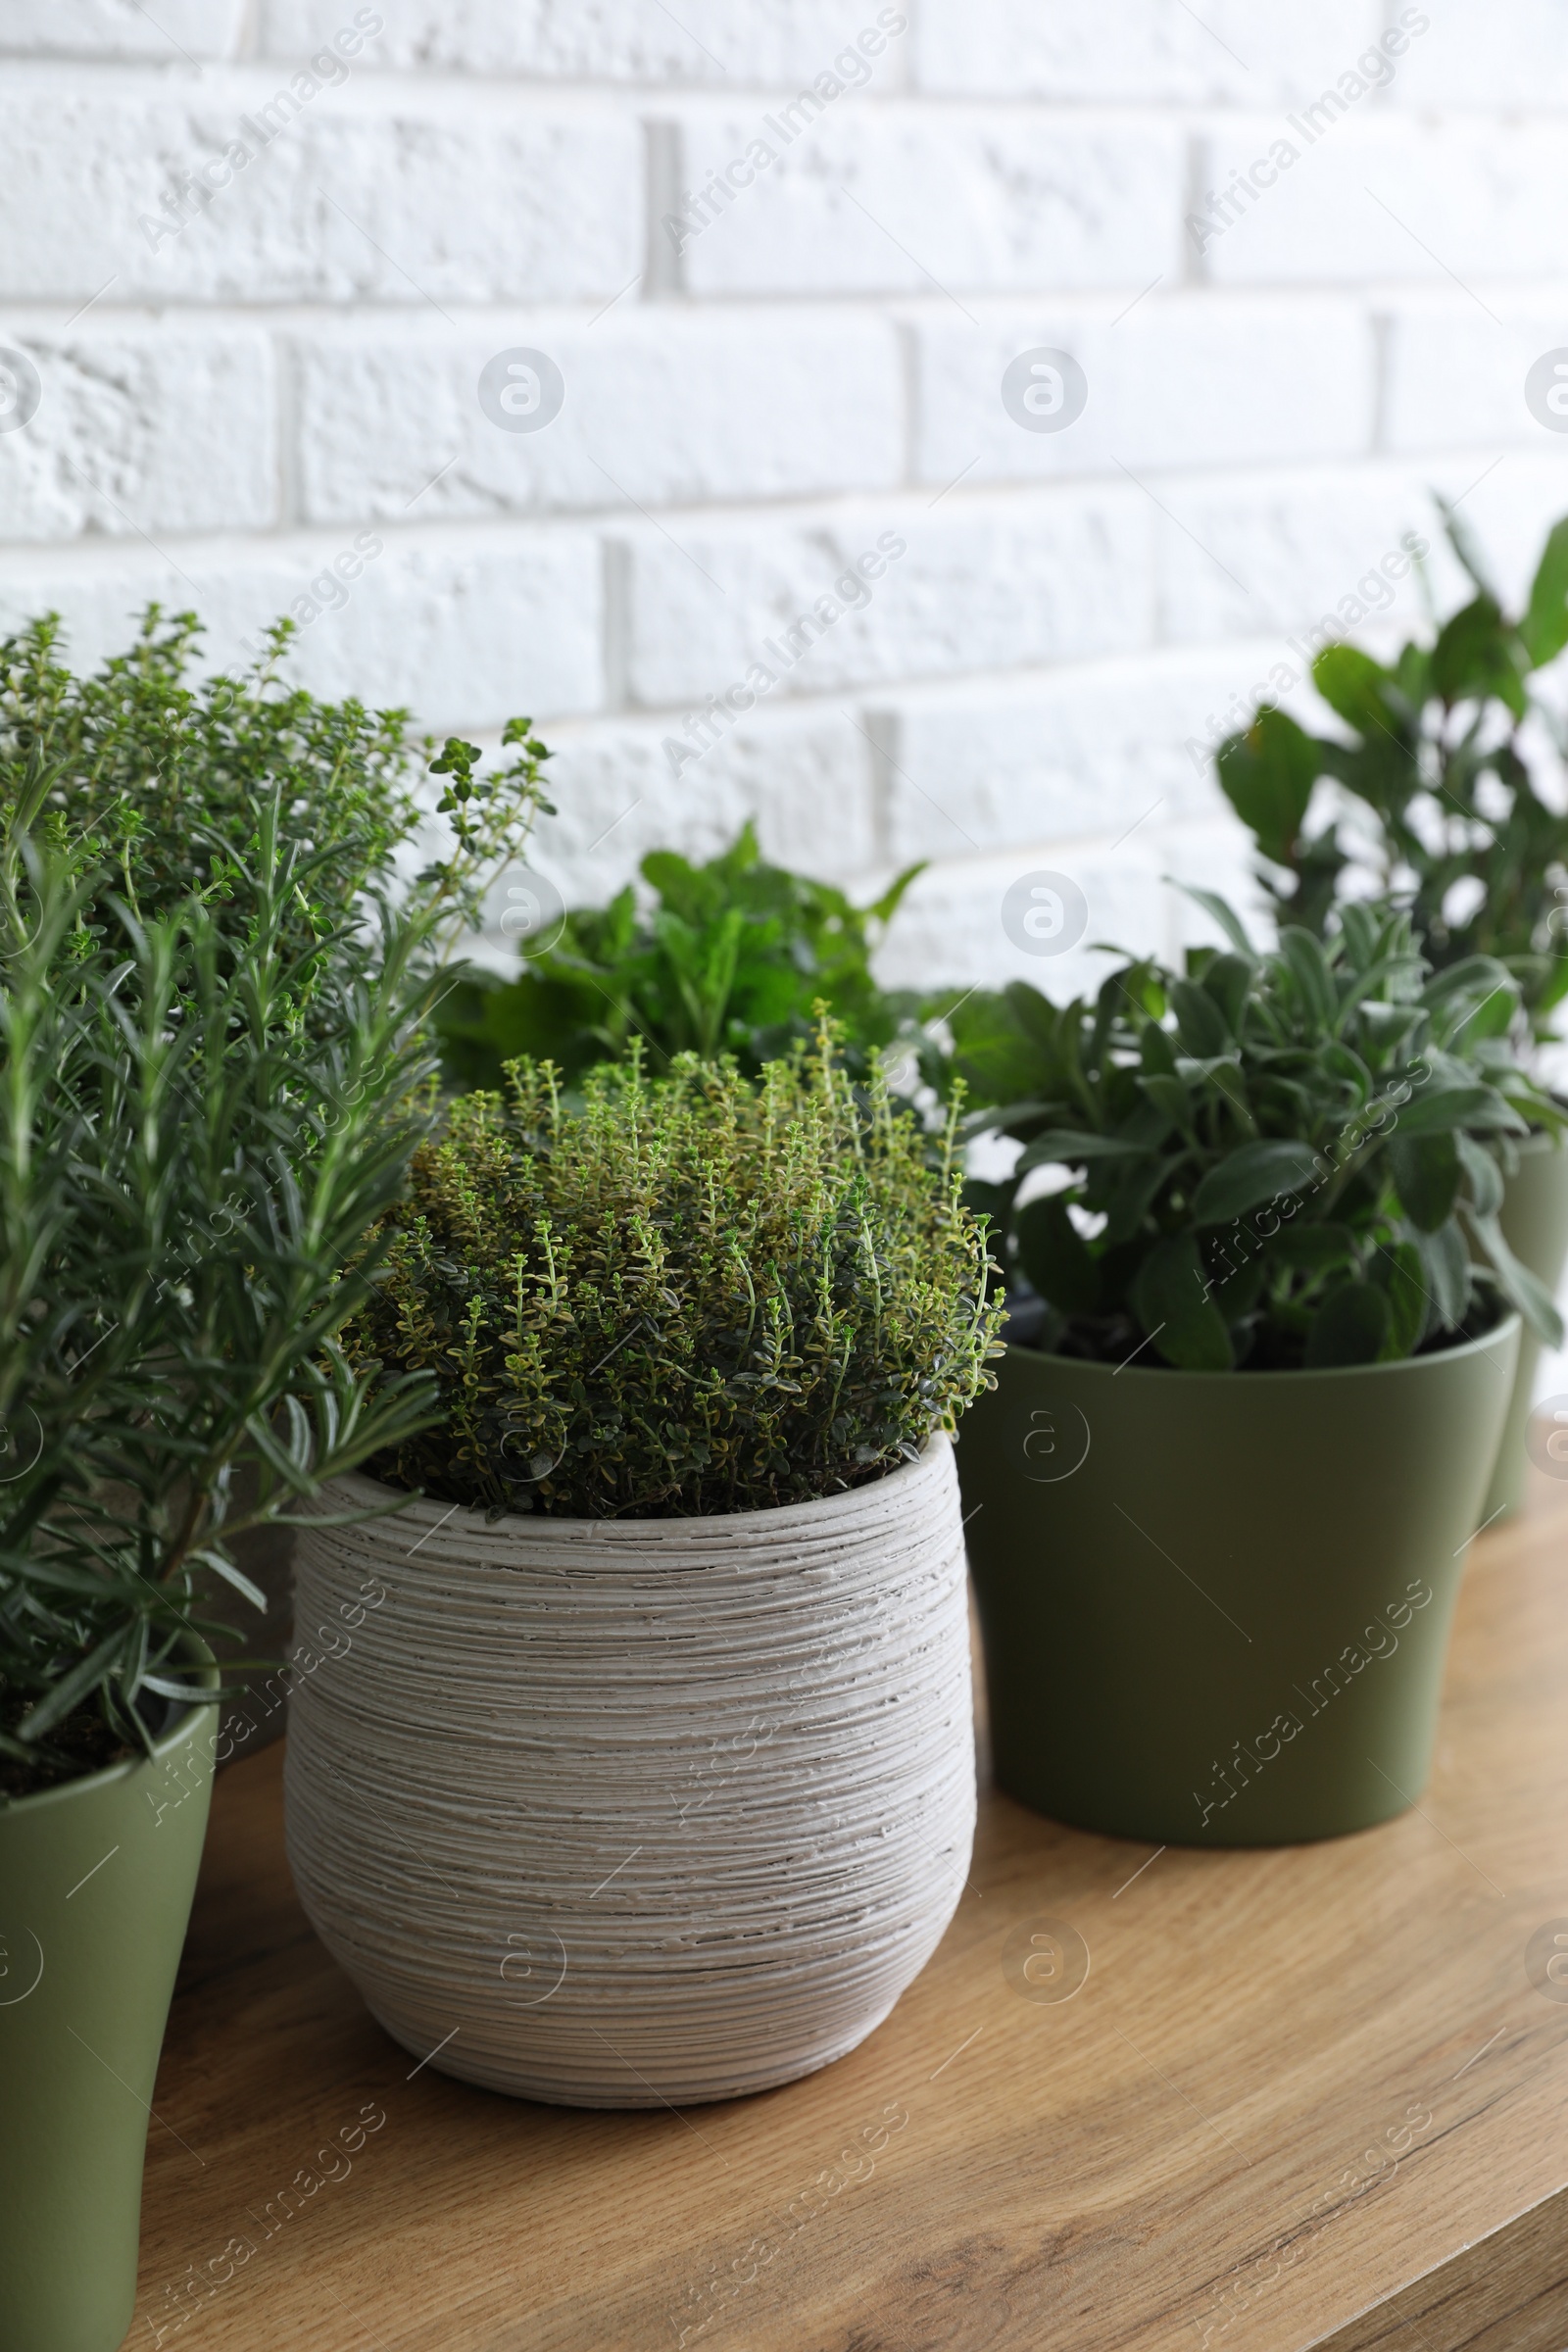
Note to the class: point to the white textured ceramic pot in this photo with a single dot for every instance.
(619, 1812)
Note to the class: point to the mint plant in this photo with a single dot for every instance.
(730, 957)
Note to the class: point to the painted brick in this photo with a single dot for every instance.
(949, 931)
(1285, 550)
(803, 774)
(983, 584)
(1098, 751)
(1250, 52)
(611, 40)
(1457, 376)
(117, 28)
(1489, 53)
(871, 197)
(656, 410)
(1373, 195)
(414, 199)
(478, 177)
(1509, 511)
(1214, 854)
(462, 635)
(1185, 380)
(164, 433)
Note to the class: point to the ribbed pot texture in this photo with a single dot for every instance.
(1217, 1604)
(96, 1879)
(613, 1813)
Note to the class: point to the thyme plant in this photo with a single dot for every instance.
(686, 1295)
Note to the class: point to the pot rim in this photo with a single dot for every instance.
(162, 1748)
(416, 1506)
(1164, 1374)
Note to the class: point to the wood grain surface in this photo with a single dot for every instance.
(1303, 2097)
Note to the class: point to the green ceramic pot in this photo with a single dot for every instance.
(1217, 1604)
(96, 1879)
(1535, 1226)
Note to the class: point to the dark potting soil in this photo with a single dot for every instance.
(83, 1743)
(1029, 1324)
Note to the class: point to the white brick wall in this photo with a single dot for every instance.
(240, 383)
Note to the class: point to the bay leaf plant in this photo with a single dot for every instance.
(729, 956)
(680, 1295)
(1435, 748)
(214, 1070)
(1272, 1160)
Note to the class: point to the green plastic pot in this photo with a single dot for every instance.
(1535, 1225)
(1216, 1605)
(96, 1879)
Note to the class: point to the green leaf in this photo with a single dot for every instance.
(1351, 1327)
(1131, 1197)
(1313, 1249)
(1308, 965)
(1225, 1077)
(1351, 683)
(1445, 1262)
(1482, 1174)
(1251, 1175)
(1426, 1173)
(884, 908)
(1466, 546)
(1477, 657)
(1439, 1107)
(1172, 1299)
(1053, 1253)
(1544, 627)
(1069, 1147)
(1236, 1287)
(1225, 914)
(1409, 1302)
(1519, 1286)
(1145, 1125)
(1171, 1097)
(73, 1686)
(1228, 980)
(225, 1568)
(1473, 975)
(1201, 1025)
(1267, 775)
(1156, 1053)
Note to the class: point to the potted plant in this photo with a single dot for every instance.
(1437, 756)
(1247, 1414)
(650, 1776)
(165, 767)
(726, 958)
(210, 1073)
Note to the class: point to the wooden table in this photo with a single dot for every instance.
(1306, 2096)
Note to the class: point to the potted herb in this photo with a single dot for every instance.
(1245, 1422)
(210, 1075)
(651, 1777)
(1439, 755)
(165, 768)
(726, 958)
